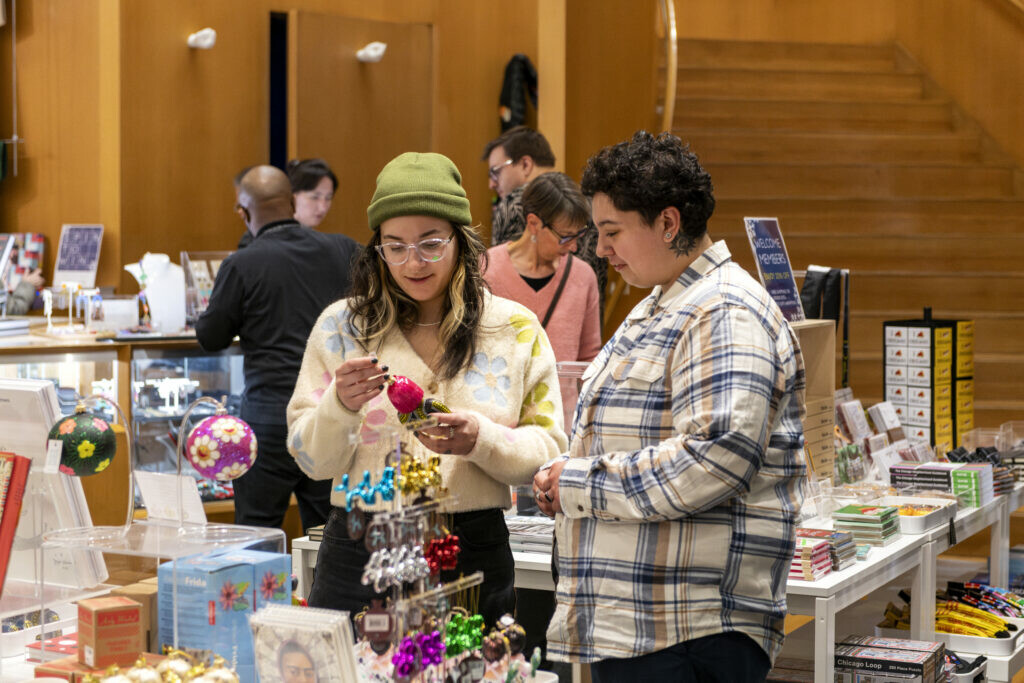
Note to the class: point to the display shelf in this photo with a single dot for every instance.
(166, 541)
(24, 596)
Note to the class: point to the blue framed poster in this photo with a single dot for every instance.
(78, 255)
(773, 265)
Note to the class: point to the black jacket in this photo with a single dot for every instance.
(270, 295)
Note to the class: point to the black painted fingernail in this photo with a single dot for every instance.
(386, 376)
(384, 368)
(374, 360)
(380, 386)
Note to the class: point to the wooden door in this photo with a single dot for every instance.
(357, 116)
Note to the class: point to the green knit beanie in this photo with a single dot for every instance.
(419, 184)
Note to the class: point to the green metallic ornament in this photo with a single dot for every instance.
(88, 443)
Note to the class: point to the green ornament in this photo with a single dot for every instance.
(89, 444)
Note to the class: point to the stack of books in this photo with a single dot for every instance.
(528, 534)
(842, 549)
(316, 533)
(973, 484)
(876, 525)
(921, 477)
(811, 559)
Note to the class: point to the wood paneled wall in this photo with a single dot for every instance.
(127, 126)
(974, 49)
(610, 56)
(61, 110)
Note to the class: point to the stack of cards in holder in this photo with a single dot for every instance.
(303, 643)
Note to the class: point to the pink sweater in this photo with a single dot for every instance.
(575, 326)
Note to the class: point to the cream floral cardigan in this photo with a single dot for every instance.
(510, 385)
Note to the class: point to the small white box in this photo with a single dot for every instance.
(897, 355)
(897, 374)
(919, 377)
(922, 434)
(919, 336)
(919, 396)
(897, 394)
(895, 335)
(920, 356)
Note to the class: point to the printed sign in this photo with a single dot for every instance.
(78, 255)
(773, 265)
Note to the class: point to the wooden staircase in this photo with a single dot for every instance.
(868, 166)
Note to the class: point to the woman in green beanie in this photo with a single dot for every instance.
(419, 308)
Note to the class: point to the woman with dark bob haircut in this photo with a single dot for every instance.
(313, 186)
(419, 308)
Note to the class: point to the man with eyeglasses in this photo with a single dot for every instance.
(270, 295)
(514, 158)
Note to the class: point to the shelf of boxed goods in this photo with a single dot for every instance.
(915, 554)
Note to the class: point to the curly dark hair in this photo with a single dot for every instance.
(648, 174)
(378, 304)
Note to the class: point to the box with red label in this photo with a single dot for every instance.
(216, 593)
(109, 631)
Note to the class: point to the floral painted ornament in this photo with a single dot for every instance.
(221, 447)
(88, 443)
(407, 397)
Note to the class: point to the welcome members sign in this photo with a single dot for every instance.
(773, 265)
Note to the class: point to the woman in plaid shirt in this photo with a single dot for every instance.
(675, 506)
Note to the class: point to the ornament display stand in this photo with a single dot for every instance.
(156, 540)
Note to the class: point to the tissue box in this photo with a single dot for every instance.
(109, 631)
(216, 593)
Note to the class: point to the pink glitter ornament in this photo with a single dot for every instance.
(221, 447)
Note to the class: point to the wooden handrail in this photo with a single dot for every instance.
(668, 112)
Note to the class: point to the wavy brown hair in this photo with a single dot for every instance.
(378, 304)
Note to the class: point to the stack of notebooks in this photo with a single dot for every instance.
(530, 534)
(876, 525)
(842, 549)
(974, 483)
(1002, 480)
(13, 326)
(316, 533)
(811, 559)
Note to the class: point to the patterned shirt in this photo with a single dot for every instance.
(682, 485)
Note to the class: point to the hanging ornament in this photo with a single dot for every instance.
(407, 398)
(143, 672)
(221, 447)
(88, 443)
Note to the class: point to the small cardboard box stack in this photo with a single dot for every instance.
(818, 345)
(929, 377)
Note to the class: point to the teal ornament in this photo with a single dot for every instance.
(88, 443)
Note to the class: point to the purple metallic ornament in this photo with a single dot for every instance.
(221, 447)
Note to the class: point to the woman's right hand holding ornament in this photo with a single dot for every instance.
(357, 380)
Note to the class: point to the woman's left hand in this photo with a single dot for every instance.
(455, 434)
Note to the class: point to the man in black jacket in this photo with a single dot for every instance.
(270, 295)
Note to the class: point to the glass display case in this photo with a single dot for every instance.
(74, 373)
(164, 381)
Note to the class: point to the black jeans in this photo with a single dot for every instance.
(727, 657)
(483, 543)
(262, 494)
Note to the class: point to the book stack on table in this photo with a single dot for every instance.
(842, 550)
(876, 525)
(889, 659)
(811, 559)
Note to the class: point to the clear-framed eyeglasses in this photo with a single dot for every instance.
(429, 250)
(494, 171)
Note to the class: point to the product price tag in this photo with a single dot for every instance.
(54, 447)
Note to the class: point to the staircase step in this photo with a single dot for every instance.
(959, 291)
(995, 332)
(798, 85)
(865, 180)
(878, 215)
(895, 251)
(925, 116)
(782, 146)
(737, 54)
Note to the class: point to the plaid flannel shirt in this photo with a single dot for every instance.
(683, 479)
